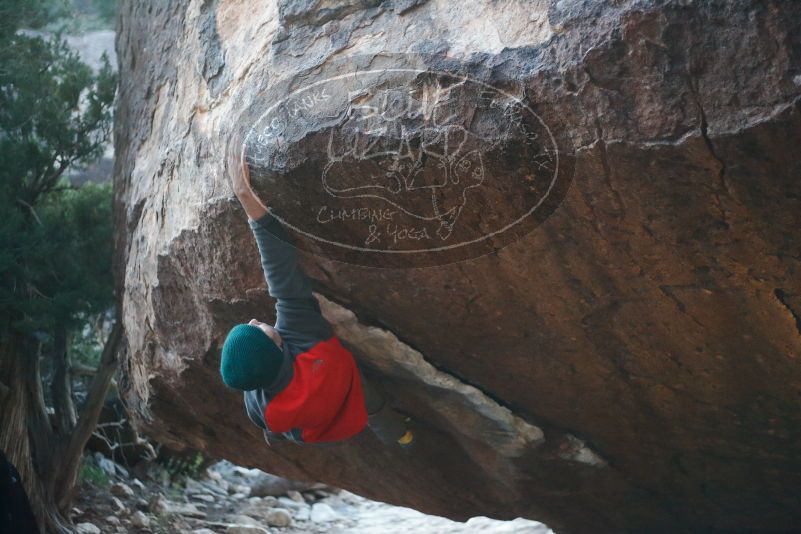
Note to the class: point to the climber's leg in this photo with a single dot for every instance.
(387, 424)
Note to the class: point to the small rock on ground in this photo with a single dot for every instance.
(323, 513)
(290, 504)
(278, 518)
(243, 520)
(304, 514)
(266, 484)
(118, 507)
(140, 520)
(245, 529)
(122, 490)
(87, 528)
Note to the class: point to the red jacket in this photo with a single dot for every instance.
(324, 399)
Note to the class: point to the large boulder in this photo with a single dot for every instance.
(625, 359)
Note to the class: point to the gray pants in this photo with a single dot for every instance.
(387, 424)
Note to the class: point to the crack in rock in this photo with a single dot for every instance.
(784, 300)
(471, 412)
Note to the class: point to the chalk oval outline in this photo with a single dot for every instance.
(506, 228)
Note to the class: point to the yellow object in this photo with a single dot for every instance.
(407, 438)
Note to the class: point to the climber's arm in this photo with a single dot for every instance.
(240, 181)
(298, 317)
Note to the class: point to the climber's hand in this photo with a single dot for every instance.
(240, 181)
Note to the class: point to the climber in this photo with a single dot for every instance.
(300, 383)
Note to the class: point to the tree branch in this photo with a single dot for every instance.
(62, 383)
(79, 369)
(39, 420)
(32, 210)
(88, 417)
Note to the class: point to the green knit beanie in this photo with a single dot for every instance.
(250, 359)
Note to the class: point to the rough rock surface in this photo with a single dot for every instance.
(631, 364)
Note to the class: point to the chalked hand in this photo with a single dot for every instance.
(240, 181)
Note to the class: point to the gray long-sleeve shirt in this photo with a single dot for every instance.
(298, 317)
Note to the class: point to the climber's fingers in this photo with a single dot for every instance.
(233, 154)
(237, 168)
(240, 179)
(246, 172)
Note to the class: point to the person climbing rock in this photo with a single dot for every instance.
(300, 383)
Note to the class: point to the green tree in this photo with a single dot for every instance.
(55, 251)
